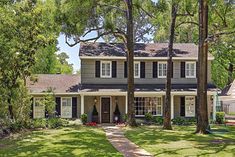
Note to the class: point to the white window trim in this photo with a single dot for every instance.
(61, 101)
(110, 73)
(137, 62)
(34, 100)
(186, 107)
(159, 69)
(190, 62)
(156, 106)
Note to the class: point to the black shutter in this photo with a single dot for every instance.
(58, 107)
(32, 102)
(74, 107)
(196, 106)
(155, 70)
(197, 69)
(172, 72)
(142, 69)
(97, 68)
(114, 69)
(125, 69)
(182, 69)
(182, 106)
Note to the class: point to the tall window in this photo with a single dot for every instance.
(106, 69)
(190, 70)
(137, 69)
(39, 108)
(189, 106)
(66, 108)
(145, 105)
(162, 68)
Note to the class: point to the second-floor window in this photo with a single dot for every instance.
(106, 69)
(190, 69)
(162, 68)
(137, 69)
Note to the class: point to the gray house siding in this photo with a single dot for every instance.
(88, 74)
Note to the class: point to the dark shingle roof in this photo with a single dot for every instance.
(140, 87)
(141, 49)
(59, 83)
(229, 90)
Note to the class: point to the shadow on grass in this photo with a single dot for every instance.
(67, 142)
(182, 142)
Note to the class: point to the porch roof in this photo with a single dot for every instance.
(140, 87)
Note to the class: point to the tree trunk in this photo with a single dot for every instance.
(202, 109)
(130, 62)
(10, 108)
(167, 105)
(230, 73)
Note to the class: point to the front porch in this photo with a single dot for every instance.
(182, 104)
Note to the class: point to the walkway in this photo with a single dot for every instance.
(116, 137)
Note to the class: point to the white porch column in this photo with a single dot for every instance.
(214, 107)
(172, 106)
(82, 104)
(126, 105)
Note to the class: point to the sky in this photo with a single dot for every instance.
(72, 52)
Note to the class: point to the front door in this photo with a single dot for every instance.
(105, 110)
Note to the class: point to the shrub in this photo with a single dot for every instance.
(39, 123)
(55, 122)
(15, 126)
(183, 121)
(158, 120)
(84, 118)
(125, 117)
(148, 117)
(220, 117)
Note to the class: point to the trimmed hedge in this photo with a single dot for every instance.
(220, 117)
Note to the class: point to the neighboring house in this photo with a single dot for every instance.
(104, 80)
(227, 98)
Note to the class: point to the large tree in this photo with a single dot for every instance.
(24, 29)
(126, 21)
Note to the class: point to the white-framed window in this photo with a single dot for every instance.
(189, 106)
(39, 108)
(151, 105)
(66, 107)
(190, 69)
(136, 69)
(106, 69)
(162, 69)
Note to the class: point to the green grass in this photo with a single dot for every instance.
(65, 142)
(182, 142)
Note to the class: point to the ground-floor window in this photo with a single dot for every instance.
(145, 105)
(189, 106)
(66, 108)
(39, 108)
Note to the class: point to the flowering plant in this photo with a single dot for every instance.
(91, 124)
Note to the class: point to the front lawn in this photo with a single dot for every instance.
(182, 142)
(64, 142)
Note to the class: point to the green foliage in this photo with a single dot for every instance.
(220, 117)
(158, 120)
(94, 112)
(148, 117)
(183, 121)
(39, 123)
(49, 102)
(56, 122)
(84, 118)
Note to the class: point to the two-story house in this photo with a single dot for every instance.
(103, 81)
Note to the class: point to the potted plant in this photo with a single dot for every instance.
(116, 115)
(95, 117)
(84, 118)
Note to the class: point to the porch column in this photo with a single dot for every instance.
(214, 107)
(172, 106)
(126, 105)
(82, 104)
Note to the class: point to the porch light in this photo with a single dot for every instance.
(95, 100)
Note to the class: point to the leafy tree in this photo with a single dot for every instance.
(62, 65)
(117, 20)
(24, 30)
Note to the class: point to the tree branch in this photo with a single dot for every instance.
(187, 22)
(212, 37)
